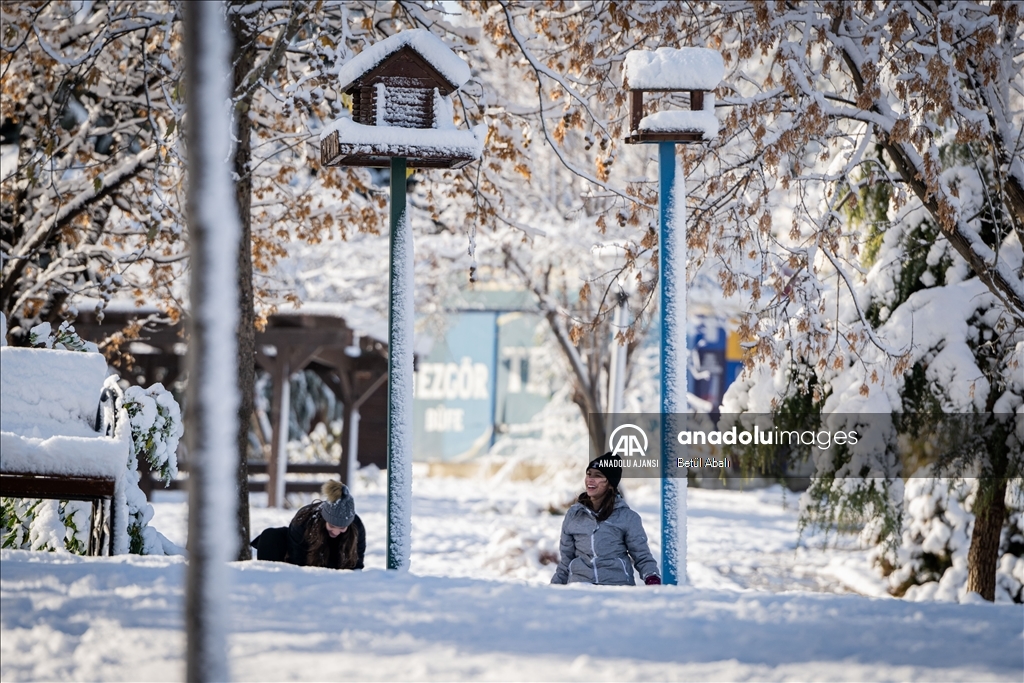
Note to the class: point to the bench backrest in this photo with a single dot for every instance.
(50, 405)
(46, 393)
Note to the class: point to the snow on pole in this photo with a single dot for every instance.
(400, 374)
(672, 280)
(284, 411)
(617, 367)
(212, 356)
(353, 447)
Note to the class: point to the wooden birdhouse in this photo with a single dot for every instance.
(694, 70)
(401, 93)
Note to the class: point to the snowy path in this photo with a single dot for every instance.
(75, 619)
(70, 618)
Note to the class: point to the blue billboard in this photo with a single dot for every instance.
(454, 390)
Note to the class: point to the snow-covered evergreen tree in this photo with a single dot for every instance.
(930, 561)
(942, 356)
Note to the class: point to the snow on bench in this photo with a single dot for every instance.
(56, 434)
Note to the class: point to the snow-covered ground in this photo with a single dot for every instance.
(476, 604)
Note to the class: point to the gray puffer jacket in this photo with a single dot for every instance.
(600, 552)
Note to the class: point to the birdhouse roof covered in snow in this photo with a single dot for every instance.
(684, 68)
(416, 53)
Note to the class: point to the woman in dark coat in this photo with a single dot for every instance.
(602, 536)
(328, 533)
(325, 533)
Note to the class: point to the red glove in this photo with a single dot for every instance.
(653, 580)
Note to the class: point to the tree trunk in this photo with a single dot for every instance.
(983, 556)
(586, 394)
(212, 387)
(244, 57)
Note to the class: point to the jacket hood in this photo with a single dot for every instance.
(620, 503)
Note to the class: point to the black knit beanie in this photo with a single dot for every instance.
(608, 465)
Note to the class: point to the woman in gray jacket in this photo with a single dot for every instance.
(601, 536)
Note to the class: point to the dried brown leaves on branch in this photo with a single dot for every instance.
(91, 175)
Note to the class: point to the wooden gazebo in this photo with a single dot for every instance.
(353, 367)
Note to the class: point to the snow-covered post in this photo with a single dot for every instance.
(282, 397)
(412, 130)
(400, 373)
(353, 446)
(617, 367)
(212, 406)
(697, 70)
(672, 304)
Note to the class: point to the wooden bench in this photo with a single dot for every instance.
(57, 435)
(97, 490)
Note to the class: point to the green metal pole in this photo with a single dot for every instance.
(400, 373)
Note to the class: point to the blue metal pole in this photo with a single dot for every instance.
(672, 304)
(493, 383)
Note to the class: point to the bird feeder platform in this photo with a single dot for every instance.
(693, 70)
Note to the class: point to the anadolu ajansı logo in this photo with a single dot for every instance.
(626, 441)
